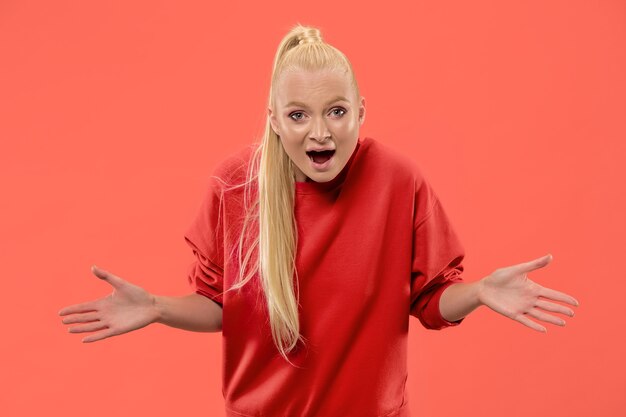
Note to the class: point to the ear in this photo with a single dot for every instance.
(362, 110)
(273, 122)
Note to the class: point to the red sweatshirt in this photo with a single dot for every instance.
(375, 247)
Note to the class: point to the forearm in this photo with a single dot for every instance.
(193, 312)
(459, 299)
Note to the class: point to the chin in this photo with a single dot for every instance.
(325, 177)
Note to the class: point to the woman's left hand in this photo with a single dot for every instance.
(510, 292)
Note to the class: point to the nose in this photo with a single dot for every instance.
(319, 130)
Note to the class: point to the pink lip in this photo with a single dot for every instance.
(320, 149)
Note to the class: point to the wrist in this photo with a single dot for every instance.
(157, 308)
(480, 289)
(476, 293)
(459, 299)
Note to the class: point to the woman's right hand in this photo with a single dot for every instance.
(129, 307)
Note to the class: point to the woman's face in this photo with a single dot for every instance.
(317, 110)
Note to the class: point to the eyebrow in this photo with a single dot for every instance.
(297, 103)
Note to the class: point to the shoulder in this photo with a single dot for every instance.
(233, 168)
(394, 164)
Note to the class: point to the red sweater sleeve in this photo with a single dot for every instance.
(437, 259)
(206, 238)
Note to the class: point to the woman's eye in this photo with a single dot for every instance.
(300, 113)
(292, 114)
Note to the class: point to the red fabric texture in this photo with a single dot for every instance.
(375, 247)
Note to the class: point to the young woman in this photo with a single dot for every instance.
(312, 250)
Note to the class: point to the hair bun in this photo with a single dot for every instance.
(310, 35)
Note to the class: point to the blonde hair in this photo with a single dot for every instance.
(272, 171)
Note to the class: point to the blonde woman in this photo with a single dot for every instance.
(313, 248)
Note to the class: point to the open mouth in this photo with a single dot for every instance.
(320, 157)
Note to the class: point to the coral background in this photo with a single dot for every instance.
(113, 114)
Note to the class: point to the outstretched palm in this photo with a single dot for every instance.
(128, 308)
(510, 292)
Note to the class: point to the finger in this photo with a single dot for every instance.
(534, 264)
(82, 318)
(538, 314)
(89, 327)
(557, 308)
(78, 308)
(114, 280)
(98, 336)
(528, 322)
(558, 296)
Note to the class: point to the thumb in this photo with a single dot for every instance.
(534, 264)
(114, 280)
